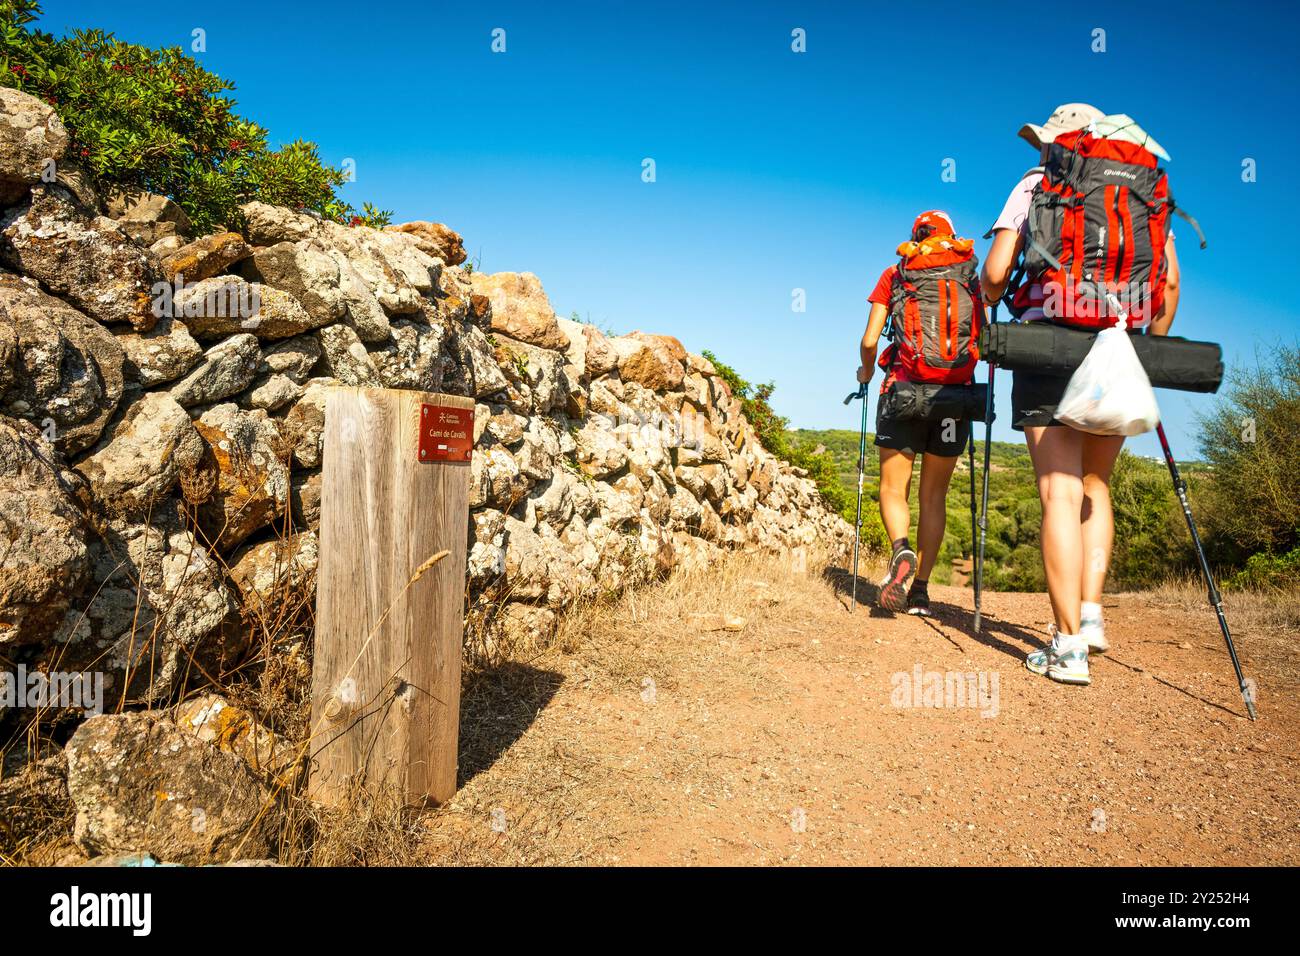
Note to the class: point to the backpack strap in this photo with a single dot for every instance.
(1174, 207)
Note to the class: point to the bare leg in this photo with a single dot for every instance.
(936, 473)
(895, 483)
(1099, 454)
(1057, 453)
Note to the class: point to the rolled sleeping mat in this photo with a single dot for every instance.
(926, 401)
(1170, 361)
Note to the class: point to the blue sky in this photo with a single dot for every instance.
(775, 170)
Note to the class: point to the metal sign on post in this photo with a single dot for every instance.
(446, 433)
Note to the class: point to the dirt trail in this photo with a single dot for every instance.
(654, 742)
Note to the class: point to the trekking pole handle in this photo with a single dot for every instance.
(860, 393)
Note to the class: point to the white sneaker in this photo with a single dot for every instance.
(1064, 660)
(1094, 632)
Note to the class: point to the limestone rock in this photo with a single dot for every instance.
(142, 459)
(163, 354)
(293, 358)
(540, 450)
(155, 600)
(271, 393)
(225, 725)
(42, 537)
(266, 225)
(205, 257)
(166, 246)
(600, 452)
(520, 308)
(525, 626)
(419, 270)
(304, 499)
(225, 370)
(363, 311)
(369, 260)
(146, 217)
(303, 426)
(654, 361)
(305, 272)
(251, 482)
(475, 357)
(538, 374)
(589, 349)
(345, 357)
(434, 239)
(31, 134)
(142, 784)
(487, 554)
(495, 479)
(273, 573)
(412, 356)
(64, 370)
(88, 261)
(228, 305)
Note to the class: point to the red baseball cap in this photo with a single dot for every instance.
(932, 222)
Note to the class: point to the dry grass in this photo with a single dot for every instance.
(548, 776)
(1263, 623)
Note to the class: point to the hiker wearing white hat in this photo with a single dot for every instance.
(1074, 467)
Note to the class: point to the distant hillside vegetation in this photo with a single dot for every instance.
(1151, 539)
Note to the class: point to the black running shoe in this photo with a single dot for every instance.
(918, 601)
(893, 589)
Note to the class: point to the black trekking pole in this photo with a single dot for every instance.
(984, 506)
(861, 393)
(970, 466)
(1216, 601)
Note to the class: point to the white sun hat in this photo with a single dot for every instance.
(1064, 119)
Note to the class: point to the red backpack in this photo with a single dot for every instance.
(935, 314)
(1098, 221)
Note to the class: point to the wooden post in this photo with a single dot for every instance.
(386, 675)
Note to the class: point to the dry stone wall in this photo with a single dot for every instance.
(161, 409)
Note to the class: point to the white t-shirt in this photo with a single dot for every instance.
(1015, 215)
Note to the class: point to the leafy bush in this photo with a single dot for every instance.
(1151, 539)
(1251, 443)
(1268, 572)
(156, 120)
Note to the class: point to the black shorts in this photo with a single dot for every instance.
(1034, 399)
(946, 436)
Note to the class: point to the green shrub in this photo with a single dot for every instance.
(1268, 572)
(1151, 539)
(1251, 444)
(156, 120)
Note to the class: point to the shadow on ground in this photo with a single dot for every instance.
(994, 632)
(497, 707)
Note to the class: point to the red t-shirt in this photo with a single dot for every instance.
(880, 294)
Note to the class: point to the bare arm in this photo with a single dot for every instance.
(870, 341)
(999, 263)
(1160, 324)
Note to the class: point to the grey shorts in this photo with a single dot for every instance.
(946, 437)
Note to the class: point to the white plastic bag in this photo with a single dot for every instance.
(1109, 393)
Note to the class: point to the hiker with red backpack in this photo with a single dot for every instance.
(1092, 225)
(930, 302)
